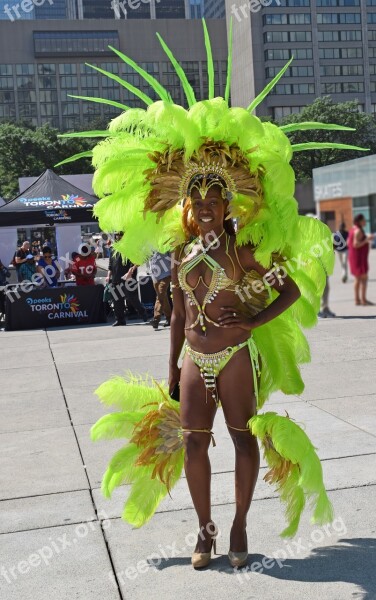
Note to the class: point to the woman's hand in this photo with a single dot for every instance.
(174, 377)
(232, 318)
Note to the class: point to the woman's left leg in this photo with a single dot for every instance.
(236, 392)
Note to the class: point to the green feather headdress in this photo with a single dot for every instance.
(138, 139)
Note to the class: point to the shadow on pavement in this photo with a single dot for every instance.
(349, 561)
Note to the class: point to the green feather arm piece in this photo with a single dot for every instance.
(188, 89)
(295, 468)
(268, 87)
(210, 62)
(229, 61)
(306, 125)
(157, 87)
(324, 145)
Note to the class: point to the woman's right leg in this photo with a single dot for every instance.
(357, 290)
(196, 414)
(363, 289)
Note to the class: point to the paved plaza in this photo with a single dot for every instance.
(61, 540)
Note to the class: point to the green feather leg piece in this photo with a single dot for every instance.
(210, 62)
(295, 468)
(152, 461)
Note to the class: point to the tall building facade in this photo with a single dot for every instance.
(214, 9)
(101, 9)
(334, 47)
(42, 63)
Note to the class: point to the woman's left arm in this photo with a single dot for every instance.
(275, 277)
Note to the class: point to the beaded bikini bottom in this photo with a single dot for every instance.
(211, 365)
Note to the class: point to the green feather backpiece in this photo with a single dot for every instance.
(294, 468)
(152, 460)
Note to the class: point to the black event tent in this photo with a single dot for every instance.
(50, 200)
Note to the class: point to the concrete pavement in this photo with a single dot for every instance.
(60, 539)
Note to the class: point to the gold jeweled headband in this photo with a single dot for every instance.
(204, 176)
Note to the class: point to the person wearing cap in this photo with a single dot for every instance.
(27, 269)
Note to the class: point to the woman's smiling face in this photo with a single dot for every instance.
(209, 212)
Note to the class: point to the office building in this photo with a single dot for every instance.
(214, 9)
(42, 62)
(333, 43)
(346, 189)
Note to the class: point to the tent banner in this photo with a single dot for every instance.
(54, 307)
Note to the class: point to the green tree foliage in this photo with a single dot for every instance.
(28, 151)
(326, 111)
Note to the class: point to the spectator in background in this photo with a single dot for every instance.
(99, 249)
(340, 245)
(160, 268)
(84, 267)
(123, 276)
(28, 269)
(49, 268)
(358, 244)
(20, 257)
(4, 275)
(68, 271)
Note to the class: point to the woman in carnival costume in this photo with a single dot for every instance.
(176, 179)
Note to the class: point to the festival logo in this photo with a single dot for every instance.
(67, 308)
(66, 201)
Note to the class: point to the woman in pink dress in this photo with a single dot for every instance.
(358, 244)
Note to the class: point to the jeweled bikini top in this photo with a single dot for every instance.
(219, 281)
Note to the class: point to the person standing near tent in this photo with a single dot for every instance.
(84, 267)
(20, 258)
(49, 268)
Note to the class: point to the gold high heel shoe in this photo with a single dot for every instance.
(202, 559)
(238, 559)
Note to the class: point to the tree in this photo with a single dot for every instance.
(28, 151)
(325, 110)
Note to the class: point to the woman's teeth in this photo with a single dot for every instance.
(206, 219)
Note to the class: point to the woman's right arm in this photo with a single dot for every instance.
(359, 241)
(177, 323)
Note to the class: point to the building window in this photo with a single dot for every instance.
(333, 18)
(296, 88)
(372, 36)
(291, 3)
(274, 19)
(328, 36)
(291, 71)
(351, 36)
(337, 3)
(285, 54)
(338, 70)
(282, 111)
(372, 51)
(371, 18)
(329, 53)
(300, 36)
(276, 36)
(170, 9)
(55, 43)
(345, 87)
